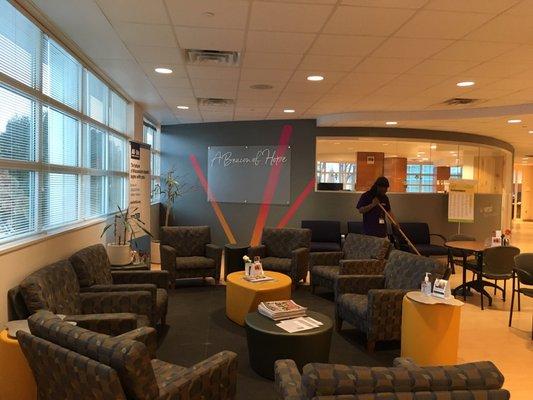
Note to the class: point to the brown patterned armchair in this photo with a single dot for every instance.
(284, 250)
(405, 380)
(72, 363)
(187, 252)
(360, 255)
(55, 288)
(373, 303)
(93, 269)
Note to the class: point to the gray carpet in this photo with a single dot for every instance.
(198, 328)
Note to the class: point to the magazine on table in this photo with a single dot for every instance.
(281, 309)
(299, 324)
(258, 278)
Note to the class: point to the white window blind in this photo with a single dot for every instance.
(152, 136)
(62, 152)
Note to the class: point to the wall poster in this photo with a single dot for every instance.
(140, 186)
(461, 200)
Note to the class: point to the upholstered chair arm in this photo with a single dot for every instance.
(385, 313)
(288, 380)
(168, 260)
(158, 278)
(437, 235)
(259, 250)
(145, 335)
(300, 263)
(358, 284)
(110, 324)
(361, 267)
(405, 362)
(325, 258)
(138, 302)
(213, 378)
(214, 252)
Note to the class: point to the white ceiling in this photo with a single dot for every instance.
(376, 55)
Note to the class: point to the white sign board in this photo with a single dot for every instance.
(140, 184)
(461, 200)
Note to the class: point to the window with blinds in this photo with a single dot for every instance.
(152, 136)
(63, 152)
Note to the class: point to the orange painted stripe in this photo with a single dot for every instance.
(270, 187)
(297, 203)
(214, 204)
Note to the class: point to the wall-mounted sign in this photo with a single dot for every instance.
(240, 174)
(370, 160)
(140, 183)
(461, 200)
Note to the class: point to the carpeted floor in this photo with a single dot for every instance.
(198, 328)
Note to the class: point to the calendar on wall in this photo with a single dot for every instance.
(461, 200)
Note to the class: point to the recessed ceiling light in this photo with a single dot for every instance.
(315, 78)
(391, 123)
(466, 83)
(289, 110)
(433, 147)
(163, 70)
(514, 121)
(529, 131)
(337, 143)
(183, 107)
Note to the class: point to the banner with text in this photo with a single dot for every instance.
(140, 187)
(240, 174)
(461, 200)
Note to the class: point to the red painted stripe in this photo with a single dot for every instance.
(271, 185)
(214, 204)
(297, 203)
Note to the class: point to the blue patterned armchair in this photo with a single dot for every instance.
(373, 303)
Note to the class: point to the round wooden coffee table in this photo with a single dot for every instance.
(243, 297)
(268, 343)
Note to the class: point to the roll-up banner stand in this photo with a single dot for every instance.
(140, 186)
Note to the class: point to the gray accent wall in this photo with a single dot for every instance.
(179, 142)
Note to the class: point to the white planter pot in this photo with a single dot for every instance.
(119, 254)
(155, 254)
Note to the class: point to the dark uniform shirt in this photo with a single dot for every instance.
(374, 222)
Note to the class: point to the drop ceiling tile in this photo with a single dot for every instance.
(493, 69)
(178, 71)
(246, 94)
(285, 17)
(270, 60)
(366, 80)
(336, 45)
(481, 6)
(257, 102)
(145, 35)
(419, 80)
(279, 42)
(300, 76)
(442, 67)
(413, 4)
(386, 65)
(214, 88)
(294, 95)
(197, 72)
(301, 88)
(505, 28)
(442, 24)
(464, 50)
(507, 84)
(157, 54)
(411, 48)
(329, 63)
(394, 89)
(228, 14)
(172, 82)
(140, 11)
(305, 1)
(275, 77)
(210, 38)
(366, 20)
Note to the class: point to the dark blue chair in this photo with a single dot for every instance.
(355, 227)
(418, 233)
(325, 235)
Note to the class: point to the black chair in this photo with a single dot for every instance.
(418, 233)
(355, 227)
(498, 264)
(522, 274)
(459, 257)
(325, 235)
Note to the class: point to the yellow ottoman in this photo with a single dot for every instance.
(16, 378)
(430, 329)
(243, 297)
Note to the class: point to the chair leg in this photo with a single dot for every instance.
(370, 345)
(338, 323)
(504, 288)
(495, 284)
(312, 289)
(512, 302)
(518, 290)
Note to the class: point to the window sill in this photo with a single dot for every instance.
(41, 237)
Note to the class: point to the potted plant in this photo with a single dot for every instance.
(124, 225)
(171, 187)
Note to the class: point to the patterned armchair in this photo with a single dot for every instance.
(55, 288)
(284, 250)
(360, 255)
(187, 252)
(71, 363)
(405, 380)
(93, 269)
(373, 303)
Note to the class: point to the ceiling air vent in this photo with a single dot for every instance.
(214, 102)
(459, 101)
(213, 57)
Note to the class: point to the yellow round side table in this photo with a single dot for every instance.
(16, 378)
(243, 297)
(430, 329)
